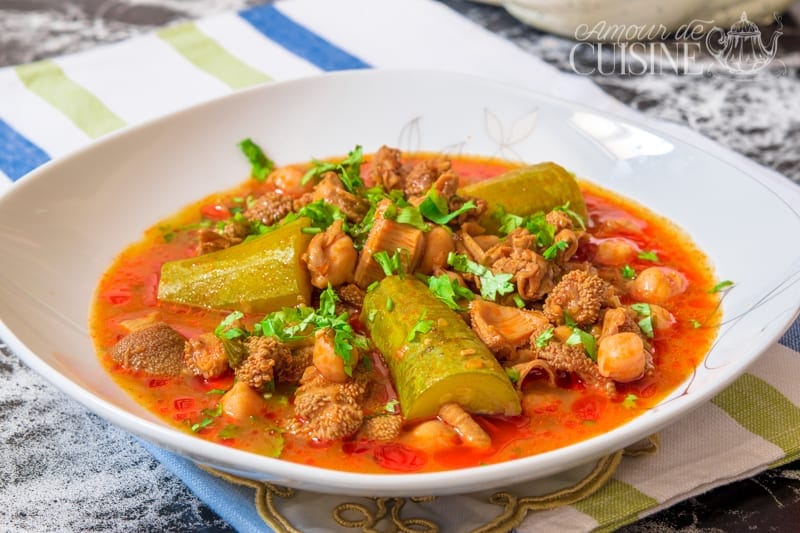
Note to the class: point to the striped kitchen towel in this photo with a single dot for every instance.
(50, 108)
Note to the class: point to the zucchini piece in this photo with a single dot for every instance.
(447, 364)
(527, 190)
(260, 275)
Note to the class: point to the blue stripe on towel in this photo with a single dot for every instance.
(299, 40)
(18, 155)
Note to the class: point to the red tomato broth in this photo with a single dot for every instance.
(553, 417)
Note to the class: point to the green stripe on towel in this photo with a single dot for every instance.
(762, 409)
(615, 505)
(206, 54)
(48, 81)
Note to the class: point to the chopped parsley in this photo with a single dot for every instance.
(648, 255)
(513, 374)
(226, 328)
(389, 264)
(348, 170)
(646, 323)
(260, 164)
(229, 432)
(576, 218)
(209, 416)
(449, 290)
(422, 326)
(392, 407)
(720, 286)
(411, 215)
(585, 339)
(491, 284)
(435, 208)
(628, 272)
(630, 401)
(552, 251)
(695, 323)
(518, 301)
(544, 337)
(389, 304)
(216, 391)
(298, 323)
(536, 224)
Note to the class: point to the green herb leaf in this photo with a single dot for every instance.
(229, 432)
(576, 218)
(628, 272)
(646, 323)
(641, 309)
(422, 326)
(392, 407)
(389, 265)
(435, 208)
(217, 391)
(630, 401)
(544, 337)
(695, 323)
(589, 343)
(518, 301)
(411, 215)
(389, 304)
(449, 290)
(260, 164)
(202, 424)
(491, 284)
(513, 374)
(552, 251)
(226, 330)
(720, 286)
(348, 170)
(648, 255)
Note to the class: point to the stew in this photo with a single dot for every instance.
(399, 312)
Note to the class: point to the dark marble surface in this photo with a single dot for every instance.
(57, 480)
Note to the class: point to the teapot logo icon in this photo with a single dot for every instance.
(740, 50)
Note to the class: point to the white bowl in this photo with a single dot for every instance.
(61, 226)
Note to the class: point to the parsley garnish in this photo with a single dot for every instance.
(536, 224)
(389, 304)
(518, 301)
(226, 328)
(391, 406)
(435, 208)
(630, 401)
(628, 272)
(491, 284)
(411, 215)
(576, 218)
(298, 323)
(646, 323)
(422, 326)
(349, 170)
(695, 323)
(552, 251)
(260, 164)
(216, 391)
(544, 337)
(648, 255)
(210, 415)
(389, 265)
(586, 339)
(449, 290)
(513, 374)
(720, 286)
(229, 432)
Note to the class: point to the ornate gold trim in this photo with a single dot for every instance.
(514, 508)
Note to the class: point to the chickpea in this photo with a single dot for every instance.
(656, 285)
(662, 320)
(289, 180)
(325, 358)
(331, 257)
(438, 244)
(621, 357)
(614, 251)
(433, 435)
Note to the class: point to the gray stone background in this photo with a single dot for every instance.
(63, 468)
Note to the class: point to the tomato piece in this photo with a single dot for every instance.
(589, 407)
(398, 457)
(215, 211)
